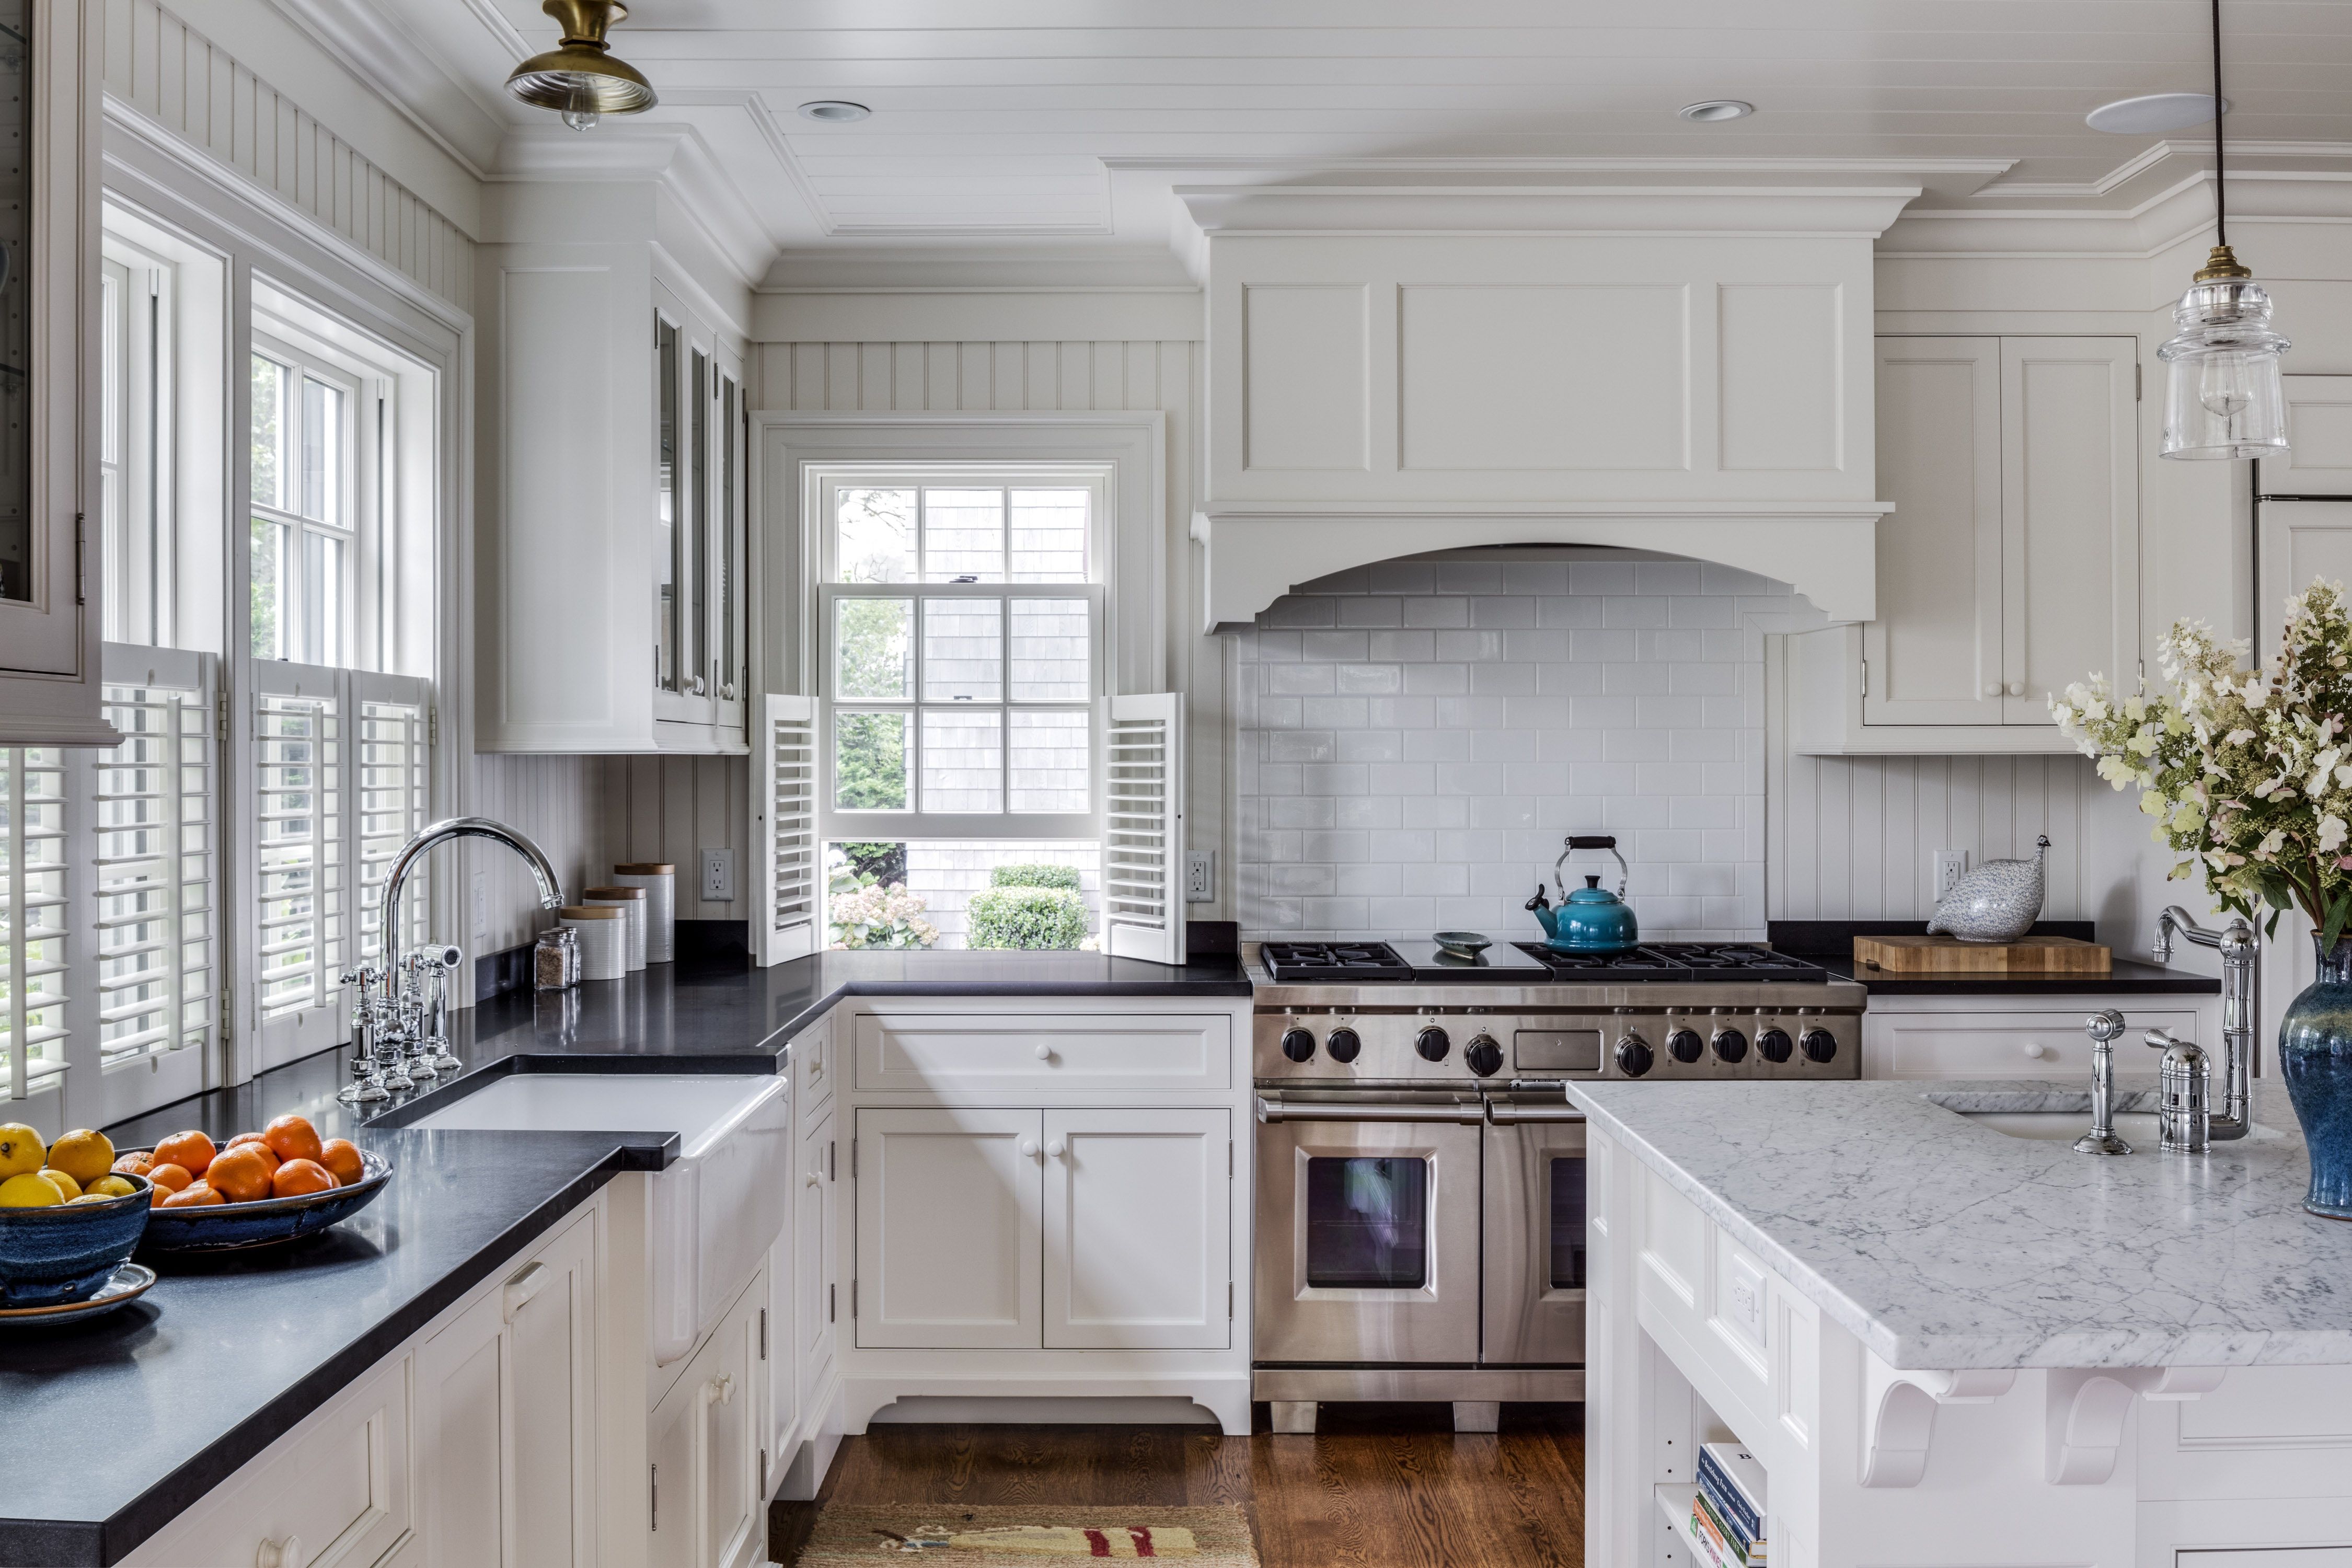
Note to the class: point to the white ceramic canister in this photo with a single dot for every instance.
(631, 902)
(659, 879)
(604, 939)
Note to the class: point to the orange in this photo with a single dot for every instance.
(158, 1196)
(341, 1158)
(293, 1137)
(190, 1151)
(200, 1195)
(295, 1177)
(253, 1141)
(240, 1173)
(134, 1164)
(170, 1177)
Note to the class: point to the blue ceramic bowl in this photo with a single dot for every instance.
(265, 1222)
(68, 1252)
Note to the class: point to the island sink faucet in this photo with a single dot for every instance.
(2236, 943)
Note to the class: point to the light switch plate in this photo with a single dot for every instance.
(1199, 876)
(1951, 864)
(718, 875)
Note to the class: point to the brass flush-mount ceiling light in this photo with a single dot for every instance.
(581, 79)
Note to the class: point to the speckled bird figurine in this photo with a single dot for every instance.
(1998, 902)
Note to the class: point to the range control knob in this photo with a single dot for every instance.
(1431, 1043)
(1819, 1045)
(1773, 1044)
(1299, 1045)
(1345, 1045)
(1685, 1045)
(1635, 1056)
(1730, 1045)
(1482, 1055)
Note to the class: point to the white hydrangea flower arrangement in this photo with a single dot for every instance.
(864, 913)
(2247, 772)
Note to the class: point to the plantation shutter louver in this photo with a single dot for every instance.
(33, 917)
(784, 808)
(299, 859)
(1143, 829)
(390, 795)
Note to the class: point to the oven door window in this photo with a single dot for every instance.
(1568, 1223)
(1367, 1223)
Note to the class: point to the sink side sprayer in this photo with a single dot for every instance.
(2237, 944)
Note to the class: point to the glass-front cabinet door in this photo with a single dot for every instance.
(700, 656)
(50, 433)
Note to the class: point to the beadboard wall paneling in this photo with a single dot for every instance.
(558, 803)
(671, 808)
(158, 65)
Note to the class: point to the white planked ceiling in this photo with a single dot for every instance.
(1065, 123)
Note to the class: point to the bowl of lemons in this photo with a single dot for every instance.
(68, 1217)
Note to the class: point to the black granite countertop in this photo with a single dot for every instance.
(221, 1358)
(1829, 944)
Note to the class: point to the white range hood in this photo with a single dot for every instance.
(1679, 368)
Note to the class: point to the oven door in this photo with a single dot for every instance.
(1534, 1232)
(1367, 1228)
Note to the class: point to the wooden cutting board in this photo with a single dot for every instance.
(1950, 955)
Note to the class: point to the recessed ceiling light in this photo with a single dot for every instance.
(2155, 112)
(834, 111)
(1716, 109)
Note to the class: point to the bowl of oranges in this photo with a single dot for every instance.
(68, 1218)
(258, 1189)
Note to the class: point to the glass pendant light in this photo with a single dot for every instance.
(2222, 396)
(581, 80)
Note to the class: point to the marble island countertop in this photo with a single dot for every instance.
(1941, 1243)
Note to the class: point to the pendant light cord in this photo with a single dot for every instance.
(2221, 197)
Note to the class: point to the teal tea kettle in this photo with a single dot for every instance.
(1591, 919)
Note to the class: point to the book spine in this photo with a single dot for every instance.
(1721, 1535)
(1698, 1529)
(1733, 1501)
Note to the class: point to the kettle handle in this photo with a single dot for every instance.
(1576, 841)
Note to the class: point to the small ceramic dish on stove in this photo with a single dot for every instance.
(1460, 943)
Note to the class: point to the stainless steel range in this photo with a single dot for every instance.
(1420, 1174)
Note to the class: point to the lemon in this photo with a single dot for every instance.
(90, 1198)
(68, 1188)
(108, 1188)
(84, 1155)
(28, 1191)
(21, 1151)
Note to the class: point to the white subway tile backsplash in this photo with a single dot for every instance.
(1416, 736)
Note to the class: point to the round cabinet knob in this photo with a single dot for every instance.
(1685, 1045)
(1345, 1045)
(2036, 1049)
(1028, 1148)
(1992, 689)
(1484, 1055)
(1299, 1045)
(1635, 1056)
(1045, 1052)
(1774, 1045)
(1730, 1045)
(1432, 1043)
(1058, 1148)
(1819, 1045)
(286, 1553)
(2017, 689)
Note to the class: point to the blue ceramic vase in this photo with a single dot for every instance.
(2316, 1059)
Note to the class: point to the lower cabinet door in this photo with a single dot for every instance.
(705, 1494)
(948, 1229)
(1138, 1233)
(816, 1290)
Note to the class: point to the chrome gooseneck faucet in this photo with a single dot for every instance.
(403, 1001)
(2237, 944)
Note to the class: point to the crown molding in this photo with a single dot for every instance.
(671, 156)
(1614, 210)
(2174, 214)
(2246, 156)
(1943, 178)
(408, 79)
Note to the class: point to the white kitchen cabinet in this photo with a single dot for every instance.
(948, 1229)
(816, 1277)
(2010, 566)
(506, 1406)
(707, 1456)
(2020, 1037)
(1138, 1247)
(50, 573)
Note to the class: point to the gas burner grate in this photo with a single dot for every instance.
(1640, 963)
(1287, 961)
(1716, 959)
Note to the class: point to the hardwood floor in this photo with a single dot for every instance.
(1379, 1486)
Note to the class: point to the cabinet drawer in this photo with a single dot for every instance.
(2009, 1045)
(1032, 1053)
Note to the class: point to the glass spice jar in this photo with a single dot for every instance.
(554, 960)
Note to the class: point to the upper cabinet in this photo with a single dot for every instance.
(2009, 567)
(611, 539)
(50, 523)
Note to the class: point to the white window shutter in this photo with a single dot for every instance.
(783, 823)
(1143, 828)
(389, 781)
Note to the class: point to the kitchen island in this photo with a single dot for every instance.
(1948, 1338)
(223, 1359)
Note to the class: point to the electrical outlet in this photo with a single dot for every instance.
(481, 906)
(1951, 864)
(1199, 876)
(718, 875)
